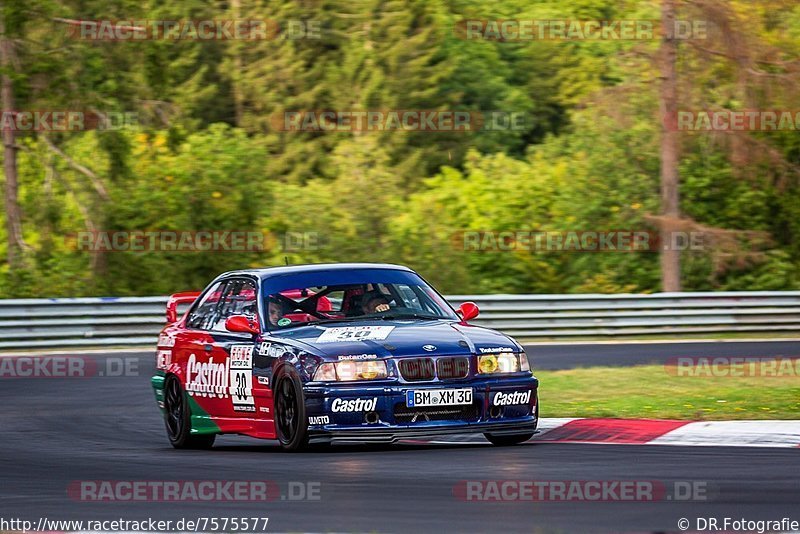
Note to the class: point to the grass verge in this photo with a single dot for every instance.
(652, 392)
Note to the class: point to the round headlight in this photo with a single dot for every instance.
(370, 370)
(508, 363)
(346, 370)
(487, 364)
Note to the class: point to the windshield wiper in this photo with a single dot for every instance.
(410, 316)
(323, 321)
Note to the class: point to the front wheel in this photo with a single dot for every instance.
(178, 419)
(290, 413)
(505, 440)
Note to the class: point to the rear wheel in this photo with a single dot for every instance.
(178, 420)
(290, 413)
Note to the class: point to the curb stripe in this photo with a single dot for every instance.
(635, 431)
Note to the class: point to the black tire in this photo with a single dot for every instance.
(178, 420)
(291, 424)
(513, 439)
(508, 439)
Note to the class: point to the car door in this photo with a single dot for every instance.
(204, 367)
(236, 348)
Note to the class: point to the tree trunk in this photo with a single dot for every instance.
(670, 214)
(13, 215)
(236, 47)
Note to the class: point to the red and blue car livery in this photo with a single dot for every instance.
(327, 353)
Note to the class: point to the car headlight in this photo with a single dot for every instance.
(505, 362)
(350, 370)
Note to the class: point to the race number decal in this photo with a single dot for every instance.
(344, 334)
(241, 378)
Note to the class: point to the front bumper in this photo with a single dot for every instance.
(378, 412)
(391, 435)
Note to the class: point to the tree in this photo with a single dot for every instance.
(670, 257)
(8, 62)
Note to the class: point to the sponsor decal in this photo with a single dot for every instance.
(242, 378)
(511, 398)
(263, 380)
(263, 409)
(344, 334)
(242, 357)
(359, 357)
(163, 359)
(495, 350)
(219, 380)
(166, 340)
(354, 405)
(319, 420)
(207, 379)
(271, 350)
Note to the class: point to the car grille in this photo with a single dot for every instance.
(417, 369)
(445, 368)
(452, 368)
(403, 414)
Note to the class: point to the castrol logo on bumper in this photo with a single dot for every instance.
(511, 398)
(354, 405)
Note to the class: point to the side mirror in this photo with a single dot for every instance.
(241, 323)
(467, 311)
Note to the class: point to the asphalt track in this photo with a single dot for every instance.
(569, 356)
(56, 431)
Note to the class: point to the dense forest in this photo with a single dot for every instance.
(204, 148)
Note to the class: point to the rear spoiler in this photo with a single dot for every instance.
(179, 298)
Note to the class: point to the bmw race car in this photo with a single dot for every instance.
(336, 353)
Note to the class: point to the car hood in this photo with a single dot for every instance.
(398, 338)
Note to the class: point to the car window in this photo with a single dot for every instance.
(202, 316)
(353, 302)
(239, 298)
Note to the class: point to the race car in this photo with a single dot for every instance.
(330, 353)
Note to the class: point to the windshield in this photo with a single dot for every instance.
(374, 298)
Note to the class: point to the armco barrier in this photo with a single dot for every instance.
(131, 321)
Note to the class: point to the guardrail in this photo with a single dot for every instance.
(132, 321)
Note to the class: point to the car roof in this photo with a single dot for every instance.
(267, 272)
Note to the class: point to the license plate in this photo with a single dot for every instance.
(438, 397)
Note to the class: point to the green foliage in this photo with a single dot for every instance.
(207, 152)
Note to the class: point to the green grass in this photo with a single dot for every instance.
(652, 392)
(722, 336)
